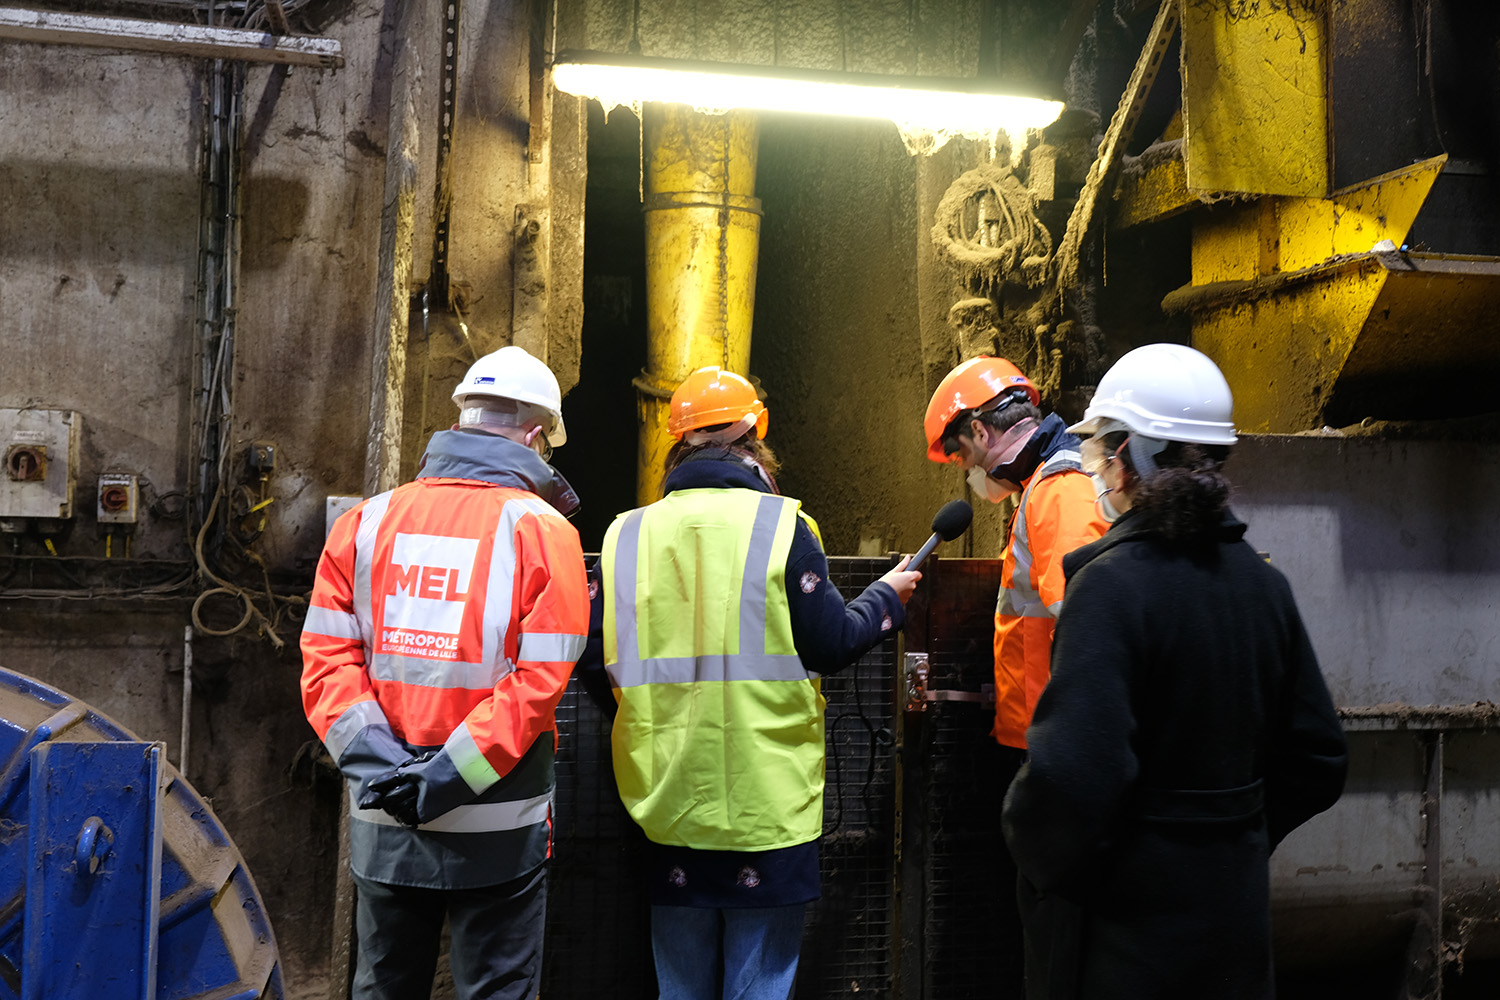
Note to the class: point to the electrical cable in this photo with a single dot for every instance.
(1019, 248)
(172, 587)
(267, 623)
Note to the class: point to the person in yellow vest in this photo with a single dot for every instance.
(713, 620)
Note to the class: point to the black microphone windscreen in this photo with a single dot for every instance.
(953, 519)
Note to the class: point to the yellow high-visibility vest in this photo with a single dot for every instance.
(718, 742)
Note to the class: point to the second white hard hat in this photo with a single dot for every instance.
(513, 373)
(1164, 391)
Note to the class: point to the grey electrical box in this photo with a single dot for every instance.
(40, 451)
(334, 507)
(119, 498)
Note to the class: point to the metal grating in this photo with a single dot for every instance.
(598, 942)
(847, 946)
(971, 935)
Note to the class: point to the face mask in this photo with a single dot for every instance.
(1101, 499)
(984, 486)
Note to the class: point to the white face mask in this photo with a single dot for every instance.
(987, 487)
(1101, 499)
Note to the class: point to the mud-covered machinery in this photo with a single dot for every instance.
(117, 880)
(1334, 168)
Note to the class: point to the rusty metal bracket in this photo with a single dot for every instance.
(984, 696)
(915, 671)
(1121, 126)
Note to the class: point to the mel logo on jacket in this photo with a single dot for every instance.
(427, 583)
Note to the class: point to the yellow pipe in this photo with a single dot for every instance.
(702, 244)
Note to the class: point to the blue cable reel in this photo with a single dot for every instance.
(116, 878)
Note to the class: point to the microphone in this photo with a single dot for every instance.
(948, 523)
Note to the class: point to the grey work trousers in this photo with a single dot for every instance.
(495, 939)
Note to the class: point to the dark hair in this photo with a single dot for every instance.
(1001, 418)
(1188, 495)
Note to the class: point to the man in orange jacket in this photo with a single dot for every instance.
(445, 620)
(985, 418)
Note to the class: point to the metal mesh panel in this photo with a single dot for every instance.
(598, 941)
(971, 933)
(847, 944)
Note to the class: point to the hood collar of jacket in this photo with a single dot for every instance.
(1131, 527)
(715, 469)
(1050, 437)
(493, 459)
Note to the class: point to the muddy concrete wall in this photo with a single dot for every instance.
(930, 37)
(516, 157)
(1394, 558)
(836, 341)
(100, 166)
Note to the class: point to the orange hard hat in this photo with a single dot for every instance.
(712, 396)
(968, 387)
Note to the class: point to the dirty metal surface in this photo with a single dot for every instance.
(1393, 552)
(1281, 352)
(1313, 230)
(1254, 97)
(1337, 343)
(1152, 187)
(93, 886)
(1290, 234)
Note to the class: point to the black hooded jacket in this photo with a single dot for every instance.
(1185, 731)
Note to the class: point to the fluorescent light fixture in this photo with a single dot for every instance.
(939, 108)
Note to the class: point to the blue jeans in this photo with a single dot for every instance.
(754, 950)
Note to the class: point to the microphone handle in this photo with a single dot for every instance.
(924, 551)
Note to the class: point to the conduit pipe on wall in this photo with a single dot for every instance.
(168, 38)
(187, 699)
(702, 246)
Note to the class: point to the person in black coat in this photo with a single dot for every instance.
(1186, 728)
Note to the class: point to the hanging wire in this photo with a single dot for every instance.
(219, 254)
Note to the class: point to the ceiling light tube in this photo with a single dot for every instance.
(949, 106)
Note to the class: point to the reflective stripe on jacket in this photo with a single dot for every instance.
(1056, 515)
(718, 742)
(447, 615)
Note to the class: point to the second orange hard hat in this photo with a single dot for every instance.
(968, 387)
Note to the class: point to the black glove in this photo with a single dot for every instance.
(396, 793)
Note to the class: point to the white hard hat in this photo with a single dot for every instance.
(1164, 391)
(512, 373)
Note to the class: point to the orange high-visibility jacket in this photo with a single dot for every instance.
(447, 615)
(1056, 515)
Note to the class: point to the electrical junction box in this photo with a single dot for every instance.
(119, 499)
(40, 451)
(334, 507)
